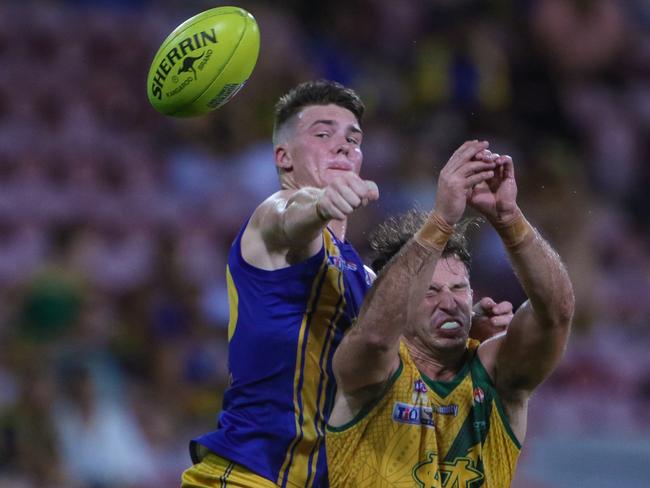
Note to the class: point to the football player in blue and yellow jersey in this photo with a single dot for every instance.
(419, 404)
(295, 286)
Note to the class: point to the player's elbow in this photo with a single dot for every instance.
(560, 314)
(553, 313)
(567, 307)
(363, 343)
(377, 343)
(564, 307)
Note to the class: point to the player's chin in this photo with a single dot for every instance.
(451, 341)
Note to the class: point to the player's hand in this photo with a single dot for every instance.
(344, 195)
(490, 318)
(496, 197)
(461, 173)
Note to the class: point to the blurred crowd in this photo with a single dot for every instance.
(115, 221)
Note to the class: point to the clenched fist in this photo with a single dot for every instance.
(345, 194)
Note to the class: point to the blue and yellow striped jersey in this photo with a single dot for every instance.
(284, 328)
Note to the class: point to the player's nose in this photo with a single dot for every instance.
(342, 146)
(446, 300)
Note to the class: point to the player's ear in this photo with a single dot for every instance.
(283, 158)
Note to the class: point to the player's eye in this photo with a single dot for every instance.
(322, 135)
(352, 140)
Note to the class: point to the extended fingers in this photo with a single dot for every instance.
(506, 166)
(477, 178)
(465, 152)
(472, 167)
(485, 155)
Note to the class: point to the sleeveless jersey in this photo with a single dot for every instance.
(284, 328)
(429, 434)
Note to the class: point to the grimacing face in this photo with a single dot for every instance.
(322, 142)
(444, 317)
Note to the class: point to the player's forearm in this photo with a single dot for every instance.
(540, 272)
(384, 313)
(300, 220)
(368, 354)
(402, 284)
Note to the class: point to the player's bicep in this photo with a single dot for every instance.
(260, 239)
(267, 221)
(360, 362)
(528, 352)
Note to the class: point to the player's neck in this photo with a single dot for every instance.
(338, 228)
(439, 365)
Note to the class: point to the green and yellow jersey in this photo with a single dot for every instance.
(425, 433)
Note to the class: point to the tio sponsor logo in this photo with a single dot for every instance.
(413, 414)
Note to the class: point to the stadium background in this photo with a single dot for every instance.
(115, 221)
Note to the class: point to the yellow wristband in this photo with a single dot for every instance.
(434, 234)
(516, 232)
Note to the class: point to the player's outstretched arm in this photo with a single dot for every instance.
(287, 226)
(540, 328)
(368, 355)
(537, 336)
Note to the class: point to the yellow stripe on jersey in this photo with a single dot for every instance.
(233, 301)
(325, 306)
(299, 366)
(326, 379)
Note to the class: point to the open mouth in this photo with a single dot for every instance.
(450, 325)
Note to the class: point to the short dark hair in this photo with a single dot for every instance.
(389, 237)
(318, 92)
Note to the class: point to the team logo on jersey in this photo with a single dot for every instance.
(420, 386)
(342, 264)
(479, 395)
(459, 473)
(413, 414)
(419, 398)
